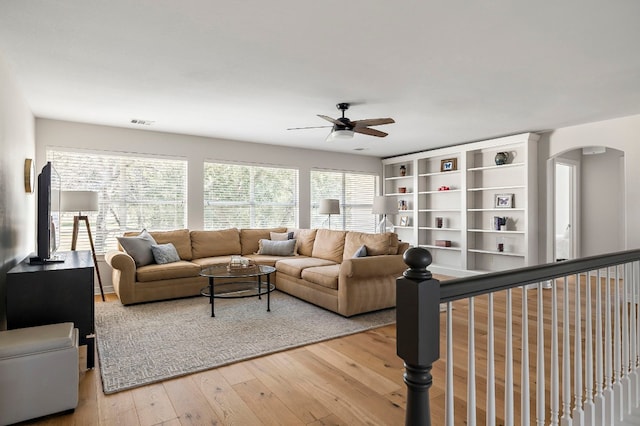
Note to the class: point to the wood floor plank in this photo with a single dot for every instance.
(153, 405)
(117, 409)
(189, 403)
(363, 400)
(265, 404)
(224, 400)
(364, 375)
(285, 382)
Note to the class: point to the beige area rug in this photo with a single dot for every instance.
(147, 343)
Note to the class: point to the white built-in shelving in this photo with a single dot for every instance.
(452, 194)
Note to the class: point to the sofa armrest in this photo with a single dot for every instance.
(373, 266)
(124, 274)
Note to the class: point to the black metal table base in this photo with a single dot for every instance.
(212, 296)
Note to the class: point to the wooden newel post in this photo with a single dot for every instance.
(418, 331)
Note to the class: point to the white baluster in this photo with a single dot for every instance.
(609, 417)
(471, 367)
(589, 408)
(508, 385)
(555, 373)
(578, 412)
(617, 347)
(566, 419)
(631, 307)
(525, 400)
(449, 403)
(636, 286)
(540, 386)
(599, 396)
(626, 385)
(491, 374)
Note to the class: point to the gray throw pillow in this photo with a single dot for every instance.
(139, 247)
(277, 248)
(165, 253)
(361, 252)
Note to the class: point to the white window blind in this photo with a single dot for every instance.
(133, 192)
(355, 192)
(248, 196)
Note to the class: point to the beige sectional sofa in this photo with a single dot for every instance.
(323, 270)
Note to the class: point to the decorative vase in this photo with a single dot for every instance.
(502, 158)
(403, 170)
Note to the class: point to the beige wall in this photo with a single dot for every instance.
(52, 133)
(17, 208)
(623, 134)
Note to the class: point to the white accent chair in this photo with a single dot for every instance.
(39, 372)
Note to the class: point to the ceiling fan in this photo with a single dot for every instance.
(343, 128)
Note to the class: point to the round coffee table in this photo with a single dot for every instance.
(239, 289)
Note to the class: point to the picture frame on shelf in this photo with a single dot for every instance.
(504, 201)
(449, 164)
(404, 220)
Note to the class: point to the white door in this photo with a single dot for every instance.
(565, 202)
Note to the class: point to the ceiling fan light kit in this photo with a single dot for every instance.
(344, 128)
(339, 134)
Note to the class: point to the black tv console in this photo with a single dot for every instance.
(54, 292)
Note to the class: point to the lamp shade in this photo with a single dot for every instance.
(329, 206)
(78, 201)
(384, 205)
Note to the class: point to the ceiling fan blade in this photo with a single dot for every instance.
(312, 127)
(370, 132)
(332, 120)
(372, 122)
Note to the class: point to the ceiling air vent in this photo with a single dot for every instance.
(142, 122)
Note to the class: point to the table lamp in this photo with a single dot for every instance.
(384, 205)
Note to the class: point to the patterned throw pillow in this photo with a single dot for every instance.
(139, 247)
(277, 248)
(361, 252)
(165, 253)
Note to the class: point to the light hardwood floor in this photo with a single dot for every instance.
(350, 380)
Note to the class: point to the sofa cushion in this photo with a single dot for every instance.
(305, 239)
(281, 236)
(215, 243)
(205, 262)
(180, 269)
(138, 246)
(164, 253)
(277, 248)
(329, 245)
(265, 259)
(376, 244)
(179, 238)
(249, 238)
(294, 266)
(325, 276)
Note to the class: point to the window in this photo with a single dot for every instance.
(355, 192)
(247, 196)
(134, 193)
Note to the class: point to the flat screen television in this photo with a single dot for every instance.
(48, 209)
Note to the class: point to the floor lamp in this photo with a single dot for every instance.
(82, 201)
(329, 206)
(384, 205)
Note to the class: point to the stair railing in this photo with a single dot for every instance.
(590, 358)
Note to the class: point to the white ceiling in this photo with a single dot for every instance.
(448, 72)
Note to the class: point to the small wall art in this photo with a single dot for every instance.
(449, 165)
(504, 201)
